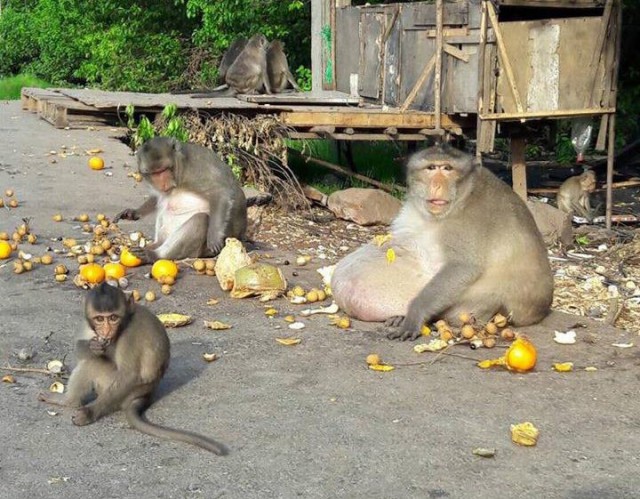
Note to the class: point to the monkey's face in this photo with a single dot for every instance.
(162, 179)
(588, 182)
(105, 325)
(433, 187)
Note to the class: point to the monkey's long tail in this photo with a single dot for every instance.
(135, 417)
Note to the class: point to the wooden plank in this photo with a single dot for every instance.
(420, 14)
(519, 167)
(426, 72)
(437, 77)
(324, 98)
(596, 55)
(560, 113)
(481, 137)
(316, 44)
(371, 52)
(347, 48)
(566, 4)
(392, 69)
(504, 58)
(414, 137)
(353, 119)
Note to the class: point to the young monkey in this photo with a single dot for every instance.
(573, 195)
(122, 353)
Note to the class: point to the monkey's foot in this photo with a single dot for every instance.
(82, 416)
(143, 254)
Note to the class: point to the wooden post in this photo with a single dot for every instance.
(437, 80)
(519, 166)
(482, 48)
(316, 45)
(610, 157)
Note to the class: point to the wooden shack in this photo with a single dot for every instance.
(506, 62)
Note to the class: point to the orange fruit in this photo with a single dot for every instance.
(114, 270)
(96, 163)
(5, 250)
(164, 268)
(521, 356)
(128, 259)
(92, 272)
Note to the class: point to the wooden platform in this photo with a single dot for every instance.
(310, 116)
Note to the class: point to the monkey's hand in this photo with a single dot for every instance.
(128, 214)
(147, 255)
(405, 328)
(82, 416)
(98, 346)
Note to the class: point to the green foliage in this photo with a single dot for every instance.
(172, 126)
(114, 44)
(10, 87)
(222, 21)
(565, 153)
(303, 77)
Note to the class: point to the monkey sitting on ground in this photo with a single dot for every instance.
(122, 353)
(463, 242)
(278, 68)
(248, 72)
(199, 202)
(573, 195)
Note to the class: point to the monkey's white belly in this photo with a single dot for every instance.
(175, 209)
(369, 287)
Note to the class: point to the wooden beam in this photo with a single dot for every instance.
(428, 69)
(316, 45)
(560, 113)
(519, 166)
(363, 120)
(502, 50)
(437, 79)
(482, 107)
(592, 68)
(455, 52)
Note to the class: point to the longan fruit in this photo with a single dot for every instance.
(46, 259)
(150, 296)
(4, 236)
(491, 328)
(18, 268)
(210, 265)
(298, 291)
(166, 289)
(465, 318)
(27, 265)
(500, 320)
(136, 295)
(57, 217)
(60, 270)
(32, 238)
(312, 296)
(61, 277)
(508, 334)
(13, 203)
(468, 331)
(199, 265)
(442, 324)
(9, 193)
(446, 335)
(1, 203)
(489, 342)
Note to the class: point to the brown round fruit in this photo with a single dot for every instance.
(373, 359)
(468, 331)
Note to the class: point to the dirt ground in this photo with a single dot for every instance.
(308, 420)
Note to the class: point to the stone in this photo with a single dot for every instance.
(364, 206)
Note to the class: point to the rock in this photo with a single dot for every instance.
(555, 225)
(364, 206)
(314, 194)
(256, 197)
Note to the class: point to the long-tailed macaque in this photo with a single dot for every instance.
(231, 54)
(573, 195)
(278, 68)
(199, 202)
(122, 353)
(463, 242)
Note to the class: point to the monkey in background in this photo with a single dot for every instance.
(122, 353)
(230, 55)
(574, 195)
(463, 242)
(199, 203)
(278, 68)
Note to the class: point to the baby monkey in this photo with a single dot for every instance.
(122, 353)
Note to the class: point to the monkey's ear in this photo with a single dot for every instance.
(131, 302)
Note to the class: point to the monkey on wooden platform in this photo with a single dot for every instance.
(122, 353)
(197, 200)
(463, 242)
